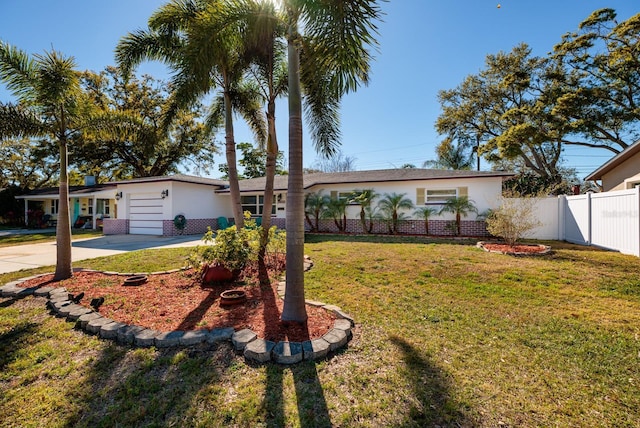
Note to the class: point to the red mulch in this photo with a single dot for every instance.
(517, 248)
(178, 301)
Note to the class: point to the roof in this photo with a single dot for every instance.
(614, 162)
(73, 191)
(365, 177)
(177, 177)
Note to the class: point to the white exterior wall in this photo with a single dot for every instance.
(197, 201)
(194, 201)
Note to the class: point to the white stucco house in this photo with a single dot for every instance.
(150, 205)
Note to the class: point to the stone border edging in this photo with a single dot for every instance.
(244, 341)
(546, 249)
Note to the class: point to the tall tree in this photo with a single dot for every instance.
(338, 162)
(456, 154)
(50, 105)
(602, 91)
(508, 109)
(28, 163)
(128, 134)
(331, 56)
(202, 45)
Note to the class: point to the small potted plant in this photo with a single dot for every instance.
(224, 256)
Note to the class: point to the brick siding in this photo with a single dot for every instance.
(115, 226)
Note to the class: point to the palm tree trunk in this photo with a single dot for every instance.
(270, 170)
(64, 268)
(230, 149)
(294, 303)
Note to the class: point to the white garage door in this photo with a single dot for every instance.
(145, 214)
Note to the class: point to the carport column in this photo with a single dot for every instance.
(26, 210)
(94, 214)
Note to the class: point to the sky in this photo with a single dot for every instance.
(424, 46)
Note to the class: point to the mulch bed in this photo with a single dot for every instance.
(178, 301)
(519, 249)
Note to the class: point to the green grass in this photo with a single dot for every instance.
(34, 238)
(446, 335)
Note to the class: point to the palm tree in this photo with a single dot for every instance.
(331, 58)
(425, 213)
(337, 210)
(391, 205)
(265, 51)
(50, 105)
(315, 203)
(461, 207)
(365, 199)
(202, 44)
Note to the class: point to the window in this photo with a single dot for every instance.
(54, 206)
(254, 204)
(102, 206)
(344, 196)
(440, 196)
(90, 204)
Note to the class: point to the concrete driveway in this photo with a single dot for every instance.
(44, 254)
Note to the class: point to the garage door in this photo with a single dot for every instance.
(145, 214)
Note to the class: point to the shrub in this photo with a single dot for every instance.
(233, 248)
(514, 219)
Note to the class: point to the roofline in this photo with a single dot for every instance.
(614, 162)
(382, 180)
(178, 178)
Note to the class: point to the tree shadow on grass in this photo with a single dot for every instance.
(190, 322)
(12, 341)
(151, 387)
(432, 390)
(312, 406)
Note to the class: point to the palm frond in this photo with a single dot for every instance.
(17, 70)
(17, 121)
(321, 107)
(247, 100)
(142, 45)
(343, 34)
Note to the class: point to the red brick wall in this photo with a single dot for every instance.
(115, 226)
(413, 227)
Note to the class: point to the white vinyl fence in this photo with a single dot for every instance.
(609, 220)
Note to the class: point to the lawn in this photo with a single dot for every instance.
(34, 238)
(446, 335)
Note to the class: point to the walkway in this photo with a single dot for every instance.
(30, 256)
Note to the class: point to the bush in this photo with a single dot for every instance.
(233, 248)
(514, 219)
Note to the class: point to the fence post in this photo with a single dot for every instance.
(562, 211)
(589, 218)
(637, 189)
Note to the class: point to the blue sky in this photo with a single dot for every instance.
(425, 46)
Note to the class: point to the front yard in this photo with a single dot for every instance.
(446, 335)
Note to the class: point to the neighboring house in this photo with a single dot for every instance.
(620, 172)
(88, 205)
(150, 205)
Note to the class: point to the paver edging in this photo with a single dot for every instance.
(262, 351)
